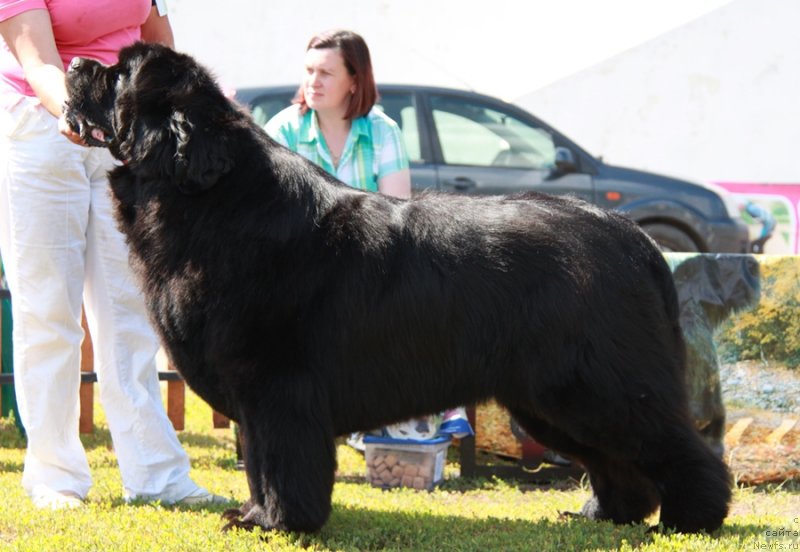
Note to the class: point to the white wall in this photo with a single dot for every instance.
(502, 47)
(716, 100)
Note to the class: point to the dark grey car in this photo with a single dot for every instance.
(465, 142)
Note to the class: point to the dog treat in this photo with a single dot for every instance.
(413, 466)
(426, 470)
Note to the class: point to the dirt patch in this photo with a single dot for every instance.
(762, 403)
(766, 452)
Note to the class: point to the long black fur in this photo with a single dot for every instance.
(304, 309)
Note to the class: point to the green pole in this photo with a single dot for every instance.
(8, 399)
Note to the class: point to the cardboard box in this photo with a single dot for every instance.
(401, 463)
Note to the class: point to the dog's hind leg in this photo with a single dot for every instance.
(622, 493)
(694, 483)
(290, 464)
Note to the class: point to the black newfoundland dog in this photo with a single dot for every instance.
(304, 309)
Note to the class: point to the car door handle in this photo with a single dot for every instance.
(461, 183)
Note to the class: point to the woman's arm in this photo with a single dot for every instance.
(157, 29)
(394, 175)
(29, 36)
(397, 184)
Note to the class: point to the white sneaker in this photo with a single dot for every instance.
(356, 441)
(197, 496)
(46, 498)
(202, 496)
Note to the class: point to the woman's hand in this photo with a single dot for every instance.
(68, 133)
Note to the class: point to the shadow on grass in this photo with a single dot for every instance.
(361, 529)
(101, 437)
(204, 440)
(354, 528)
(219, 508)
(10, 467)
(370, 530)
(468, 484)
(789, 486)
(10, 435)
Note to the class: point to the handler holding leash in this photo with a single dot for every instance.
(61, 248)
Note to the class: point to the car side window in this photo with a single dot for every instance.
(265, 107)
(474, 134)
(402, 109)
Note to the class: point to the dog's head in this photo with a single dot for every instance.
(722, 284)
(155, 109)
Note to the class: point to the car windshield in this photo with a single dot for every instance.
(265, 107)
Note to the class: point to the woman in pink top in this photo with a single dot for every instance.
(61, 249)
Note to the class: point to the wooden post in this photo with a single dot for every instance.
(176, 401)
(786, 426)
(220, 421)
(8, 399)
(86, 424)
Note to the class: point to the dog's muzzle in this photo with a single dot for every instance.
(91, 133)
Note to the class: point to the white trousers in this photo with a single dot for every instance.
(61, 249)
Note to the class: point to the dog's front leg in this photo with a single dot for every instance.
(235, 515)
(290, 463)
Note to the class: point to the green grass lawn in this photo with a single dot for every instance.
(462, 514)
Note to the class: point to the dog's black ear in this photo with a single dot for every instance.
(200, 157)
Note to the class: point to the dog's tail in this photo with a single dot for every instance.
(696, 487)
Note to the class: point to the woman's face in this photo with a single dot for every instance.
(328, 85)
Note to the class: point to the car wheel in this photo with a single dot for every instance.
(670, 238)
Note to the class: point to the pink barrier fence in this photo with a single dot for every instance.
(782, 201)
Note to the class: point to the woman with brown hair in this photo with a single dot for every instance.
(333, 121)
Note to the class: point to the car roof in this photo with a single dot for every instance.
(248, 93)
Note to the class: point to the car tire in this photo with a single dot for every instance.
(670, 238)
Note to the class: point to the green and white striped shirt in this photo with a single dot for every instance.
(374, 147)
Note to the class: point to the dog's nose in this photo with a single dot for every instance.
(74, 63)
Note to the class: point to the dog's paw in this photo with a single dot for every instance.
(240, 512)
(239, 524)
(659, 530)
(232, 514)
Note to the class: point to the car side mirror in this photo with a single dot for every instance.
(565, 160)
